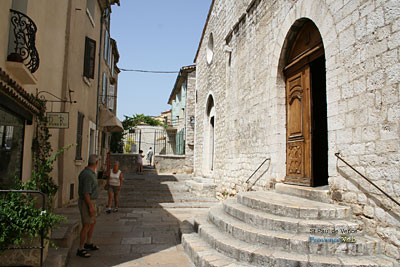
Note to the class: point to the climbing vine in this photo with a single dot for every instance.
(41, 150)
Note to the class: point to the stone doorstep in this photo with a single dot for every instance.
(295, 207)
(250, 254)
(267, 221)
(320, 194)
(288, 241)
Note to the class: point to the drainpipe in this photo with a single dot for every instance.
(64, 90)
(98, 80)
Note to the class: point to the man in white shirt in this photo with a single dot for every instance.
(149, 156)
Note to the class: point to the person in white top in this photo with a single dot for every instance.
(140, 157)
(114, 182)
(149, 156)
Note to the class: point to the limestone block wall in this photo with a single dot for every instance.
(172, 164)
(361, 40)
(127, 162)
(190, 111)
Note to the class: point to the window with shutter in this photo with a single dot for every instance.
(89, 60)
(106, 45)
(104, 90)
(90, 6)
(111, 96)
(79, 134)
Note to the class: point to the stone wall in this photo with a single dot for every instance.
(362, 44)
(24, 257)
(172, 164)
(127, 162)
(190, 111)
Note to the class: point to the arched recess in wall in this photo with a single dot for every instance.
(303, 69)
(210, 48)
(209, 136)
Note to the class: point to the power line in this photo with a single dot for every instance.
(151, 71)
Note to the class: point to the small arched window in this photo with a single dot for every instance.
(210, 48)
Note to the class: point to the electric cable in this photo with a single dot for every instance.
(150, 71)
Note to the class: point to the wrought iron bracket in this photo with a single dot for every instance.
(58, 99)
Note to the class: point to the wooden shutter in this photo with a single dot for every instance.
(89, 60)
(79, 134)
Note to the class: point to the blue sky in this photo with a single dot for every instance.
(154, 35)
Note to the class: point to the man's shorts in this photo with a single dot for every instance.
(85, 213)
(113, 189)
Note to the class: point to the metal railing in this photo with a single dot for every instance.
(43, 210)
(368, 180)
(259, 167)
(24, 38)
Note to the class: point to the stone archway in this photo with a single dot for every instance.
(306, 119)
(303, 10)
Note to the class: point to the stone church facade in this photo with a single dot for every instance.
(297, 81)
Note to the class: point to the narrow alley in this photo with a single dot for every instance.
(145, 231)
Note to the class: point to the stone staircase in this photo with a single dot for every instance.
(274, 229)
(161, 191)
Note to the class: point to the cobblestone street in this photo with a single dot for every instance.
(146, 229)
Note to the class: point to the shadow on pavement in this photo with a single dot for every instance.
(146, 230)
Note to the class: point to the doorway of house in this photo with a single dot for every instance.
(306, 115)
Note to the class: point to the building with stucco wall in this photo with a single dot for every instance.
(68, 39)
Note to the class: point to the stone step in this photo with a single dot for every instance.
(66, 232)
(259, 255)
(295, 207)
(300, 243)
(194, 185)
(267, 221)
(204, 180)
(155, 199)
(126, 188)
(56, 257)
(202, 254)
(168, 205)
(320, 193)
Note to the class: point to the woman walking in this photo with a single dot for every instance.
(114, 183)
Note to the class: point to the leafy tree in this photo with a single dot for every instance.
(131, 122)
(117, 144)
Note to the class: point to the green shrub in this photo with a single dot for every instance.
(20, 218)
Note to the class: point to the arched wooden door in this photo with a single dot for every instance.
(306, 48)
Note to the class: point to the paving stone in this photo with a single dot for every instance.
(136, 240)
(146, 236)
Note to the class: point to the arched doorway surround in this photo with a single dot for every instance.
(209, 136)
(306, 112)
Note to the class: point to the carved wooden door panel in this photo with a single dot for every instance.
(298, 123)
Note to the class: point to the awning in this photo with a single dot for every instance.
(109, 121)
